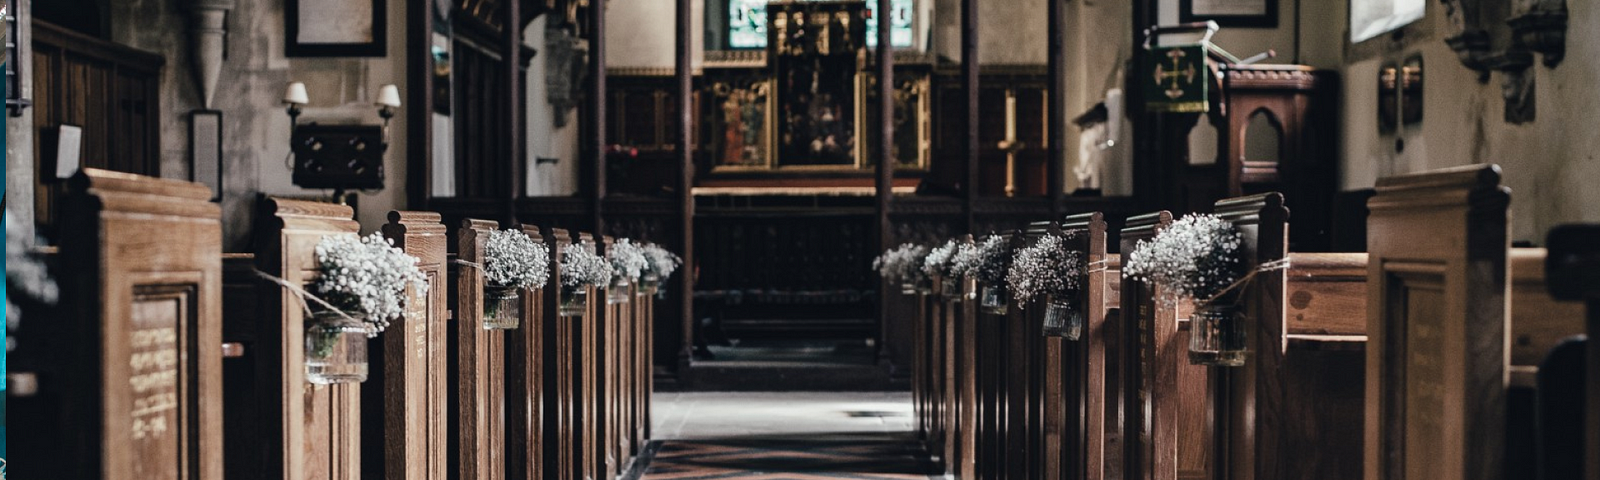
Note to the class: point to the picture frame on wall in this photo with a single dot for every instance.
(335, 28)
(1230, 13)
(205, 144)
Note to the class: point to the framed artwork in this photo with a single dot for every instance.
(335, 28)
(205, 146)
(1230, 13)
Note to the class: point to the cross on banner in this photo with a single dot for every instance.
(1180, 80)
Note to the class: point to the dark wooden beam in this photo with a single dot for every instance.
(969, 84)
(1148, 184)
(597, 112)
(886, 164)
(1056, 130)
(419, 103)
(515, 146)
(685, 78)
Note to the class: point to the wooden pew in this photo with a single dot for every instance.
(939, 382)
(961, 312)
(405, 400)
(1292, 410)
(1436, 355)
(1166, 428)
(277, 425)
(129, 371)
(1539, 323)
(477, 420)
(991, 369)
(586, 380)
(527, 376)
(1051, 388)
(1089, 443)
(1573, 272)
(607, 350)
(561, 364)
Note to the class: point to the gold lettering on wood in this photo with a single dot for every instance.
(1424, 372)
(155, 361)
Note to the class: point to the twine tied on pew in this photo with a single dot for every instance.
(1272, 266)
(304, 296)
(1099, 266)
(464, 263)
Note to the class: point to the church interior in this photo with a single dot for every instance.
(785, 239)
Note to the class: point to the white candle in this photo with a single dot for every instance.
(389, 96)
(296, 94)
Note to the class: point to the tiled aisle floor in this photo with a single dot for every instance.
(785, 436)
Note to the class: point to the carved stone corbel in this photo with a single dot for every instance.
(1543, 28)
(1516, 84)
(208, 25)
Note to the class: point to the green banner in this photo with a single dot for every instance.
(1177, 79)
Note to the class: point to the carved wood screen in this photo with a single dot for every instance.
(109, 90)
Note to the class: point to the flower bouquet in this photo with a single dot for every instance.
(581, 268)
(628, 263)
(990, 263)
(512, 263)
(1052, 269)
(361, 287)
(1197, 259)
(903, 264)
(660, 266)
(938, 265)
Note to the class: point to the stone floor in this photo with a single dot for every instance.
(785, 436)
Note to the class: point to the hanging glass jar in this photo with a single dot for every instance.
(336, 349)
(574, 301)
(620, 291)
(950, 287)
(925, 286)
(1063, 318)
(1217, 335)
(649, 285)
(993, 300)
(502, 308)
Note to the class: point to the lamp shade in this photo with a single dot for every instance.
(296, 94)
(389, 96)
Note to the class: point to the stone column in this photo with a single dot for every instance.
(208, 25)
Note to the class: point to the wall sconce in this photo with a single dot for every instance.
(339, 157)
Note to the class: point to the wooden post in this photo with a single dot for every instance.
(1088, 411)
(1573, 269)
(526, 377)
(515, 134)
(560, 359)
(419, 118)
(130, 370)
(686, 148)
(970, 66)
(1056, 109)
(585, 381)
(597, 113)
(1436, 325)
(886, 166)
(478, 429)
(404, 404)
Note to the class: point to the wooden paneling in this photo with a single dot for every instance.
(405, 403)
(480, 110)
(476, 413)
(131, 369)
(527, 375)
(1436, 408)
(110, 90)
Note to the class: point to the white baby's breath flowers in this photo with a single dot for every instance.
(1194, 258)
(992, 262)
(628, 259)
(937, 263)
(901, 264)
(26, 274)
(366, 276)
(965, 260)
(661, 261)
(1049, 267)
(580, 266)
(513, 260)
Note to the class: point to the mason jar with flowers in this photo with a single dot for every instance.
(628, 263)
(660, 265)
(1197, 259)
(1051, 270)
(512, 263)
(360, 289)
(903, 265)
(938, 265)
(581, 269)
(990, 263)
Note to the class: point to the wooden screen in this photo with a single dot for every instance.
(1436, 354)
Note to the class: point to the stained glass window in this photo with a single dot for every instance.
(747, 23)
